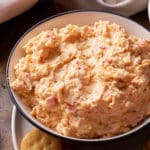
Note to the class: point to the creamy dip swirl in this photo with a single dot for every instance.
(86, 82)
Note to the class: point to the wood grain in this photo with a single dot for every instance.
(9, 34)
(5, 110)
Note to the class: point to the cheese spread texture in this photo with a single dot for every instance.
(86, 82)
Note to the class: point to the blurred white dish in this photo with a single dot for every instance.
(149, 10)
(121, 7)
(12, 8)
(19, 127)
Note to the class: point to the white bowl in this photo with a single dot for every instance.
(58, 21)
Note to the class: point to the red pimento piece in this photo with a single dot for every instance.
(109, 61)
(78, 64)
(103, 47)
(51, 101)
(143, 43)
(80, 86)
(71, 109)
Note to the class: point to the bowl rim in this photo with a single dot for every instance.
(52, 132)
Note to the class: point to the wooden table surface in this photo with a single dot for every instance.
(9, 34)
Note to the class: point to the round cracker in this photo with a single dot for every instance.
(38, 140)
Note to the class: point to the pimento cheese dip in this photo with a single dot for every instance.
(86, 82)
